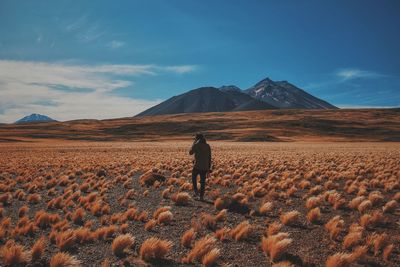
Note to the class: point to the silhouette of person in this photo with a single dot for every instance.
(202, 163)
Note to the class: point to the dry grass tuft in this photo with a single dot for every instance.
(241, 231)
(38, 249)
(13, 254)
(121, 243)
(314, 215)
(273, 228)
(62, 259)
(210, 259)
(181, 198)
(265, 208)
(154, 249)
(364, 206)
(165, 217)
(290, 218)
(339, 260)
(188, 237)
(208, 221)
(149, 226)
(200, 249)
(221, 234)
(387, 251)
(390, 207)
(283, 264)
(275, 245)
(78, 215)
(221, 216)
(65, 240)
(334, 226)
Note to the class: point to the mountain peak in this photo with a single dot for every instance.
(230, 88)
(34, 117)
(266, 81)
(283, 94)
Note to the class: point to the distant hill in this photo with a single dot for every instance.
(207, 99)
(283, 94)
(265, 94)
(35, 118)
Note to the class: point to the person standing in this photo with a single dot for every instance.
(202, 163)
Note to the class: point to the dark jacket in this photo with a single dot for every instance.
(202, 155)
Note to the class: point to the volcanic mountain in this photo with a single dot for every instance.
(283, 94)
(207, 99)
(35, 118)
(266, 94)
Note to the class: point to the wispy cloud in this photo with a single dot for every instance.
(181, 69)
(74, 90)
(349, 106)
(114, 44)
(353, 73)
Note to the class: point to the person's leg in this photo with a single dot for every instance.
(203, 175)
(194, 180)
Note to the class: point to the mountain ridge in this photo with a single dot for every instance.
(34, 117)
(265, 94)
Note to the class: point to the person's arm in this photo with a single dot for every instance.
(192, 149)
(209, 158)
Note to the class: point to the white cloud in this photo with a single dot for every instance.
(349, 106)
(74, 91)
(348, 74)
(181, 69)
(114, 44)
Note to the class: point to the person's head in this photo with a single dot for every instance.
(200, 137)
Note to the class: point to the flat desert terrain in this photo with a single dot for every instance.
(246, 126)
(76, 203)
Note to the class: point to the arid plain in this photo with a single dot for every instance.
(324, 191)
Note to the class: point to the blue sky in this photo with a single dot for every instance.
(104, 59)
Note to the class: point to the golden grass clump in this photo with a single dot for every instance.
(62, 259)
(274, 228)
(165, 217)
(181, 198)
(283, 264)
(275, 246)
(378, 242)
(208, 221)
(364, 206)
(188, 237)
(38, 249)
(13, 254)
(241, 231)
(387, 252)
(150, 177)
(150, 225)
(355, 202)
(266, 207)
(390, 206)
(154, 249)
(210, 258)
(222, 203)
(339, 259)
(314, 215)
(352, 239)
(200, 249)
(221, 216)
(121, 243)
(222, 233)
(78, 215)
(22, 211)
(334, 226)
(313, 202)
(290, 217)
(65, 240)
(159, 210)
